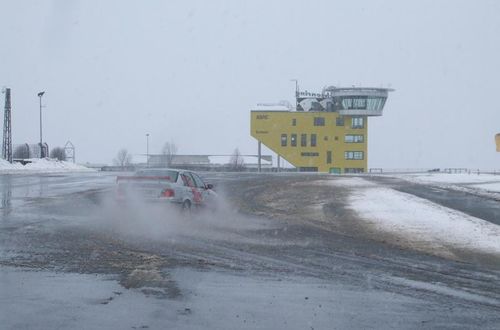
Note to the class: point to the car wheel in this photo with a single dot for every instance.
(186, 206)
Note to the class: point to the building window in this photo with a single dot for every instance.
(309, 154)
(313, 140)
(293, 140)
(308, 169)
(339, 121)
(319, 121)
(354, 170)
(354, 155)
(354, 138)
(303, 140)
(358, 122)
(294, 122)
(283, 140)
(328, 157)
(336, 138)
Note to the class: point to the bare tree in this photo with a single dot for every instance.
(58, 153)
(123, 158)
(169, 151)
(237, 163)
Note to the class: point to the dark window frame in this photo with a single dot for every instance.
(339, 121)
(309, 154)
(314, 139)
(319, 121)
(284, 140)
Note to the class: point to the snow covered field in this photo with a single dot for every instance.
(43, 165)
(461, 181)
(419, 223)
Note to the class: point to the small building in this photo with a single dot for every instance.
(209, 162)
(326, 132)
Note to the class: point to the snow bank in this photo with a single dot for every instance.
(422, 224)
(485, 185)
(459, 178)
(6, 166)
(42, 165)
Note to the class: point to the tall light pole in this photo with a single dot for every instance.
(147, 150)
(41, 145)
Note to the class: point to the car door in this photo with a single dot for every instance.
(205, 193)
(193, 190)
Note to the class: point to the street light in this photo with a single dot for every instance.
(147, 150)
(41, 145)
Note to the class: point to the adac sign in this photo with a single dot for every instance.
(262, 117)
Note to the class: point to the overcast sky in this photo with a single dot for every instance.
(190, 71)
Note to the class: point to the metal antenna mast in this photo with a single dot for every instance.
(7, 129)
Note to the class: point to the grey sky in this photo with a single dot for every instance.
(191, 70)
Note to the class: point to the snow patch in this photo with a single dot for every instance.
(423, 224)
(456, 178)
(41, 165)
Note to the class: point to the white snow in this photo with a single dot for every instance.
(490, 187)
(41, 165)
(422, 224)
(487, 185)
(458, 178)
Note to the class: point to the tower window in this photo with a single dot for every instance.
(283, 140)
(294, 122)
(293, 140)
(303, 140)
(313, 140)
(354, 155)
(339, 121)
(354, 138)
(309, 154)
(319, 121)
(358, 122)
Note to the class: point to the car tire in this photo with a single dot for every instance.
(186, 206)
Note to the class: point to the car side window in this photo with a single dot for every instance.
(187, 179)
(198, 181)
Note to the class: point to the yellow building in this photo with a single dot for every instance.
(327, 132)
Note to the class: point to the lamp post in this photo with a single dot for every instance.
(147, 150)
(41, 145)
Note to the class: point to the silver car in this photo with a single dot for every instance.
(181, 187)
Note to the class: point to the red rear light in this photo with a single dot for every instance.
(168, 193)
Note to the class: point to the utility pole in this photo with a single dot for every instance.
(259, 152)
(7, 128)
(147, 150)
(41, 145)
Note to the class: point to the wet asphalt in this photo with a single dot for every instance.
(45, 226)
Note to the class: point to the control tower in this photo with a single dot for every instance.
(325, 132)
